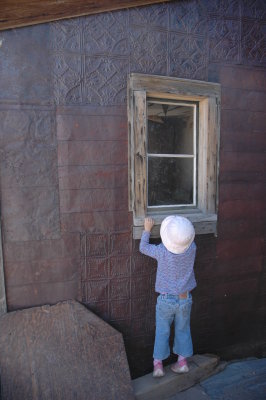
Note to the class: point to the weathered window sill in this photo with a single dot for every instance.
(203, 224)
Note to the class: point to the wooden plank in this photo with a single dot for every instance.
(174, 86)
(202, 154)
(202, 226)
(140, 169)
(213, 154)
(15, 13)
(130, 113)
(200, 367)
(195, 217)
(3, 308)
(208, 154)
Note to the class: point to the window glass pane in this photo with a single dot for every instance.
(170, 128)
(170, 181)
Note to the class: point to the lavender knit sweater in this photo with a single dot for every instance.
(175, 274)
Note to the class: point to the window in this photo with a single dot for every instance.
(173, 150)
(171, 155)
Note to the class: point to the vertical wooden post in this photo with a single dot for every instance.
(140, 159)
(2, 279)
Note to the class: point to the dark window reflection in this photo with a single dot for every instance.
(170, 181)
(170, 129)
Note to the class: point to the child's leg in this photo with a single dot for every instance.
(164, 318)
(183, 342)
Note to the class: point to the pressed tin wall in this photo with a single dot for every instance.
(67, 231)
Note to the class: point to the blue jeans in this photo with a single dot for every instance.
(171, 308)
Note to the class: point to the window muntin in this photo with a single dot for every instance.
(171, 154)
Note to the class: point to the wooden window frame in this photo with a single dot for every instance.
(208, 96)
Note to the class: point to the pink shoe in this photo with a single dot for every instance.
(180, 367)
(158, 369)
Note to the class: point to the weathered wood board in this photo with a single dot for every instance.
(2, 279)
(30, 12)
(61, 352)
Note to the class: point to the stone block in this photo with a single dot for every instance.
(62, 352)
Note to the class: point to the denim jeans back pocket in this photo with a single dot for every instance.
(165, 307)
(185, 306)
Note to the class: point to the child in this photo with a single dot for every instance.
(174, 281)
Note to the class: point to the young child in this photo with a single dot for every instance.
(174, 280)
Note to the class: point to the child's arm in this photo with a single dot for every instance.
(145, 247)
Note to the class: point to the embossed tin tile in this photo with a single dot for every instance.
(154, 15)
(98, 307)
(142, 265)
(224, 40)
(96, 268)
(67, 78)
(139, 306)
(106, 33)
(254, 42)
(254, 9)
(67, 35)
(105, 80)
(188, 17)
(97, 245)
(96, 290)
(140, 286)
(119, 308)
(119, 266)
(224, 8)
(148, 51)
(119, 288)
(188, 56)
(120, 243)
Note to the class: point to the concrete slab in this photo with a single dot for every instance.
(149, 388)
(62, 352)
(194, 393)
(241, 380)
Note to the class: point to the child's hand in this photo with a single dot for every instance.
(148, 224)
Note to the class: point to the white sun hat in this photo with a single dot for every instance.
(177, 233)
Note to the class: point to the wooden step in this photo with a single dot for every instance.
(149, 388)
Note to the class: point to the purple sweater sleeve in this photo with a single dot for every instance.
(146, 248)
